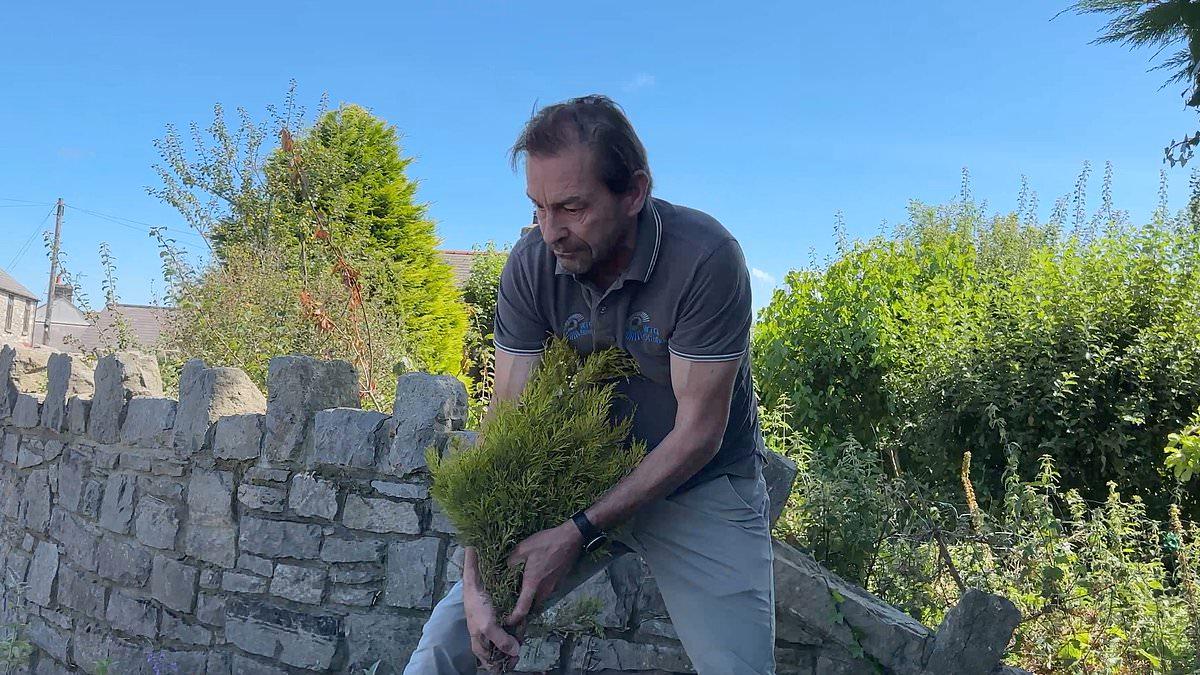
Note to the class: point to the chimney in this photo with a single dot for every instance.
(64, 291)
(525, 230)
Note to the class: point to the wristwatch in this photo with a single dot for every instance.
(593, 537)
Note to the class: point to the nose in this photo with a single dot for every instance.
(551, 231)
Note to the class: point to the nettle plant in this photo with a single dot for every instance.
(540, 459)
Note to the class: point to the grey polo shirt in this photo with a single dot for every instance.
(686, 292)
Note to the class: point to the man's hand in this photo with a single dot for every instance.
(547, 556)
(489, 641)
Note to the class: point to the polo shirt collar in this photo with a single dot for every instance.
(645, 250)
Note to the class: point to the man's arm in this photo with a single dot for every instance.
(703, 390)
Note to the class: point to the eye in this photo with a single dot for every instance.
(572, 209)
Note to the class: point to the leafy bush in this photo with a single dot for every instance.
(538, 462)
(962, 332)
(479, 294)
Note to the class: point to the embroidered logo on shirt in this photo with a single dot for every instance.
(576, 326)
(639, 330)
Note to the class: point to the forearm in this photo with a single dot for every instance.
(677, 458)
(470, 571)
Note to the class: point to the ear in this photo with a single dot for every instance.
(635, 198)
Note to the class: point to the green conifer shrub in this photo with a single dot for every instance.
(539, 460)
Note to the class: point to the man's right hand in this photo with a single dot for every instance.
(490, 643)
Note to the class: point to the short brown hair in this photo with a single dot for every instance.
(597, 122)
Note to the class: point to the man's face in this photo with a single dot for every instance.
(581, 220)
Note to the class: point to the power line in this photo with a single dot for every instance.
(25, 201)
(118, 219)
(25, 247)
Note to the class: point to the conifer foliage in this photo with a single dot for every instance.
(539, 460)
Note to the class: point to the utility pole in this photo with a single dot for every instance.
(58, 214)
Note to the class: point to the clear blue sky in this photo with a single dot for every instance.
(770, 116)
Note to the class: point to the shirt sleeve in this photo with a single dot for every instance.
(519, 328)
(715, 313)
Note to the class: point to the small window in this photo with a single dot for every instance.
(12, 301)
(29, 311)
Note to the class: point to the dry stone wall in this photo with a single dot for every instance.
(233, 533)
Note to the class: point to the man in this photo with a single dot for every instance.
(611, 266)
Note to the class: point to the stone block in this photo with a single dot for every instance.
(262, 474)
(160, 486)
(260, 566)
(621, 655)
(349, 550)
(461, 441)
(26, 413)
(156, 523)
(205, 396)
(50, 639)
(116, 510)
(58, 376)
(173, 583)
(312, 497)
(779, 472)
(380, 515)
(35, 501)
(119, 377)
(90, 500)
(238, 436)
(210, 609)
(237, 582)
(426, 408)
(80, 593)
(299, 584)
(539, 655)
(8, 387)
(614, 610)
(280, 539)
(241, 665)
(28, 454)
(131, 614)
(439, 521)
(9, 452)
(973, 635)
(355, 575)
(148, 421)
(210, 578)
(347, 437)
(78, 408)
(125, 563)
(381, 637)
(401, 490)
(355, 596)
(43, 570)
(210, 534)
(455, 558)
(77, 537)
(262, 497)
(16, 566)
(300, 640)
(412, 573)
(299, 386)
(52, 450)
(175, 628)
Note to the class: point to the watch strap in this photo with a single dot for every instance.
(592, 535)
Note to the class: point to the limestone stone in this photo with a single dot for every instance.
(380, 637)
(50, 639)
(174, 628)
(125, 563)
(312, 497)
(43, 570)
(301, 640)
(16, 566)
(355, 575)
(262, 474)
(347, 437)
(260, 566)
(412, 573)
(35, 501)
(131, 614)
(173, 583)
(160, 486)
(12, 441)
(973, 635)
(210, 534)
(210, 609)
(90, 500)
(210, 578)
(539, 654)
(116, 511)
(28, 455)
(119, 377)
(356, 596)
(77, 414)
(280, 539)
(461, 440)
(455, 555)
(77, 537)
(380, 515)
(238, 436)
(401, 490)
(236, 582)
(52, 449)
(148, 420)
(25, 414)
(262, 497)
(622, 655)
(58, 376)
(8, 386)
(241, 665)
(205, 396)
(426, 408)
(614, 611)
(780, 474)
(80, 593)
(156, 523)
(299, 386)
(439, 521)
(300, 584)
(349, 550)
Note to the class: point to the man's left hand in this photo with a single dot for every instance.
(548, 556)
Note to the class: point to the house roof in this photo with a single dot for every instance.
(11, 285)
(64, 313)
(460, 263)
(146, 322)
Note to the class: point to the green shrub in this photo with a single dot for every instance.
(540, 459)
